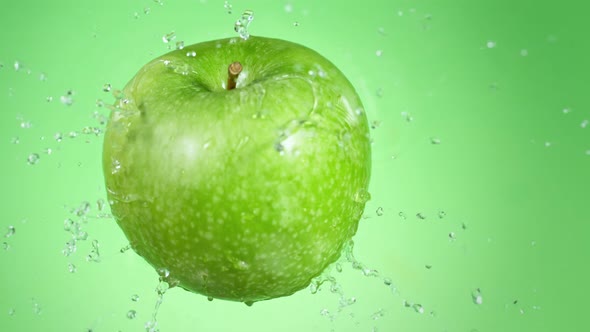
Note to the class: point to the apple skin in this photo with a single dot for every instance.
(243, 194)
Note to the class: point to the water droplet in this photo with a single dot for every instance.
(295, 24)
(428, 266)
(69, 224)
(379, 92)
(72, 268)
(361, 196)
(67, 99)
(169, 37)
(452, 236)
(131, 314)
(179, 45)
(33, 158)
(441, 214)
(164, 273)
(100, 204)
(524, 52)
(241, 25)
(81, 236)
(249, 303)
(36, 307)
(347, 302)
(491, 44)
(17, 65)
(228, 7)
(407, 116)
(107, 87)
(83, 209)
(42, 77)
(26, 124)
(420, 216)
(15, 140)
(242, 265)
(147, 10)
(584, 124)
(378, 314)
(135, 298)
(402, 215)
(11, 312)
(476, 296)
(418, 308)
(209, 298)
(69, 248)
(379, 211)
(379, 52)
(434, 140)
(387, 281)
(151, 326)
(115, 166)
(73, 134)
(463, 226)
(191, 54)
(58, 137)
(94, 255)
(375, 124)
(566, 110)
(547, 144)
(335, 288)
(10, 232)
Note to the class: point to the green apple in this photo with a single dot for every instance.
(239, 167)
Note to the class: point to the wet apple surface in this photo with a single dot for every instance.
(242, 192)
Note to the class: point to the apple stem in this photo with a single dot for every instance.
(232, 74)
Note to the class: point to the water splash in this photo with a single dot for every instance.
(241, 26)
(166, 282)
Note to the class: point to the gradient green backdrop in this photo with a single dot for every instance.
(479, 111)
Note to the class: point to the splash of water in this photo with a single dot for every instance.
(241, 26)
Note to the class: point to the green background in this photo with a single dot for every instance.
(502, 86)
